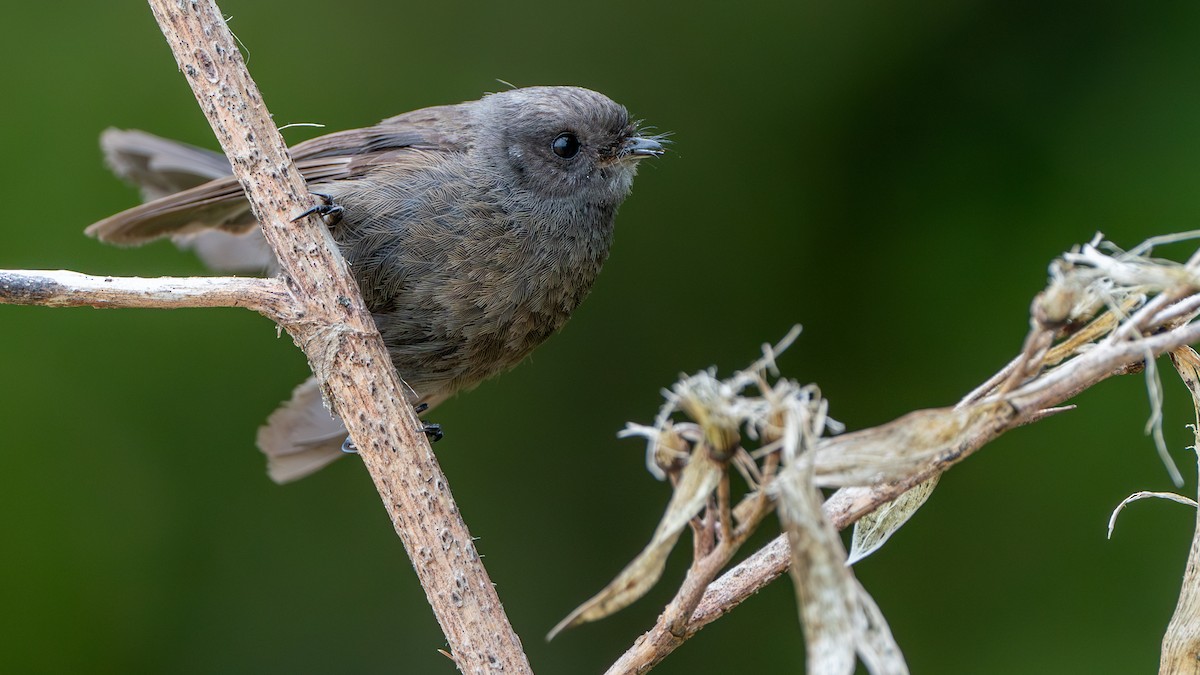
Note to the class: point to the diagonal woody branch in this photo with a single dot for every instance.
(339, 337)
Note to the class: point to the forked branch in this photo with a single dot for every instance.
(317, 302)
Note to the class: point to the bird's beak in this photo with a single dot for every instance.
(640, 148)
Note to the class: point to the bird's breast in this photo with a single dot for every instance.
(464, 284)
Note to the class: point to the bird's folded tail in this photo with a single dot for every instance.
(302, 436)
(160, 166)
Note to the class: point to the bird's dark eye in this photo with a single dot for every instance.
(565, 145)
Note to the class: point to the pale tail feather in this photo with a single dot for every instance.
(227, 252)
(188, 189)
(160, 166)
(301, 436)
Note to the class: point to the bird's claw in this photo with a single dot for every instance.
(433, 432)
(330, 211)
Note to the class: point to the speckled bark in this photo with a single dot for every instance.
(61, 288)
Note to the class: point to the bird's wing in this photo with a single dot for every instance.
(210, 199)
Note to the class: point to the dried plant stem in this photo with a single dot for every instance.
(1029, 402)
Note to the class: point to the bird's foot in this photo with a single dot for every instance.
(330, 211)
(432, 431)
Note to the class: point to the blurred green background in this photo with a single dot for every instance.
(893, 175)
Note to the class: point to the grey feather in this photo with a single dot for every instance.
(301, 436)
(473, 231)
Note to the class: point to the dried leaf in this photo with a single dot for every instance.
(1154, 424)
(873, 530)
(840, 619)
(900, 447)
(697, 481)
(876, 646)
(825, 606)
(1187, 364)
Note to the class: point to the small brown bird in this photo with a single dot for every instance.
(473, 230)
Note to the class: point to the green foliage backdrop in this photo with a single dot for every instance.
(893, 175)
